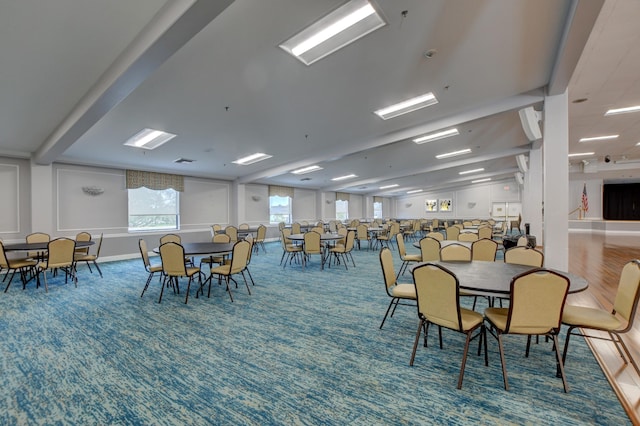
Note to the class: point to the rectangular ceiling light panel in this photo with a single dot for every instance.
(250, 159)
(436, 136)
(599, 138)
(149, 139)
(336, 30)
(344, 177)
(407, 106)
(389, 186)
(307, 169)
(625, 110)
(453, 153)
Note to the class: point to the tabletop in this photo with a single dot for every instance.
(445, 243)
(494, 278)
(203, 248)
(323, 237)
(41, 246)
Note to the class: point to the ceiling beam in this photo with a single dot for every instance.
(323, 155)
(170, 29)
(580, 20)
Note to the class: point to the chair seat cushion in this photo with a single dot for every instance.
(21, 263)
(404, 291)
(157, 268)
(412, 258)
(222, 269)
(470, 319)
(590, 317)
(498, 316)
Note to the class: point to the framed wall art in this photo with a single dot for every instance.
(431, 205)
(445, 205)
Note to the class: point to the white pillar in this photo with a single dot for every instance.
(42, 216)
(532, 194)
(556, 181)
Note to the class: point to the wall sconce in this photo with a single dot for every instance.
(328, 201)
(256, 198)
(92, 190)
(471, 205)
(408, 205)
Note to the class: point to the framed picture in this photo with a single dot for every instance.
(445, 204)
(431, 205)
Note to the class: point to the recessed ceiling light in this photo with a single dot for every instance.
(581, 154)
(344, 177)
(453, 153)
(466, 172)
(149, 139)
(253, 158)
(436, 136)
(389, 186)
(625, 110)
(308, 169)
(336, 30)
(599, 138)
(414, 191)
(481, 180)
(407, 106)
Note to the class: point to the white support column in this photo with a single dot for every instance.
(532, 194)
(556, 182)
(42, 213)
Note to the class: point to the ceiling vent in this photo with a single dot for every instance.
(183, 160)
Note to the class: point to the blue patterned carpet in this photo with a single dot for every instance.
(304, 349)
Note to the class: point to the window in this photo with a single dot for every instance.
(151, 209)
(342, 210)
(279, 209)
(377, 210)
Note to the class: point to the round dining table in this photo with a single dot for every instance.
(494, 278)
(445, 243)
(205, 248)
(41, 246)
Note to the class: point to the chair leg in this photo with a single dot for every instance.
(415, 343)
(502, 361)
(146, 285)
(395, 299)
(464, 358)
(97, 267)
(227, 279)
(559, 364)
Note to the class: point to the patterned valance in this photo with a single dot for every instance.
(151, 180)
(377, 199)
(342, 196)
(280, 191)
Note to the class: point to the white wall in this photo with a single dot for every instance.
(304, 205)
(594, 195)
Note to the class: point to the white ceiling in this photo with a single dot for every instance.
(79, 77)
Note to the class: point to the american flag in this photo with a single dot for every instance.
(585, 199)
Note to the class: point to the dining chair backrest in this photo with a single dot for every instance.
(285, 236)
(524, 256)
(144, 252)
(389, 275)
(467, 224)
(349, 242)
(312, 243)
(249, 238)
(522, 241)
(435, 235)
(170, 238)
(455, 252)
(221, 238)
(261, 234)
(4, 262)
(38, 237)
(295, 228)
(626, 301)
(402, 249)
(99, 245)
(172, 255)
(363, 232)
(485, 232)
(232, 232)
(459, 226)
(83, 236)
(438, 295)
(484, 250)
(430, 249)
(343, 232)
(318, 229)
(468, 236)
(452, 233)
(475, 222)
(240, 256)
(304, 223)
(536, 303)
(281, 226)
(333, 227)
(60, 253)
(243, 226)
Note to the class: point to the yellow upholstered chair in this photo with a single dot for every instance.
(452, 233)
(342, 231)
(151, 269)
(261, 236)
(13, 265)
(429, 249)
(455, 252)
(406, 258)
(435, 235)
(484, 250)
(174, 267)
(522, 241)
(438, 298)
(88, 257)
(232, 232)
(485, 232)
(312, 247)
(237, 265)
(344, 252)
(535, 308)
(215, 228)
(468, 237)
(243, 226)
(396, 291)
(59, 256)
(363, 235)
(295, 228)
(220, 259)
(83, 236)
(524, 256)
(38, 237)
(476, 222)
(289, 251)
(467, 224)
(174, 238)
(614, 323)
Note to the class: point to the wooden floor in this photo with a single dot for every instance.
(600, 258)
